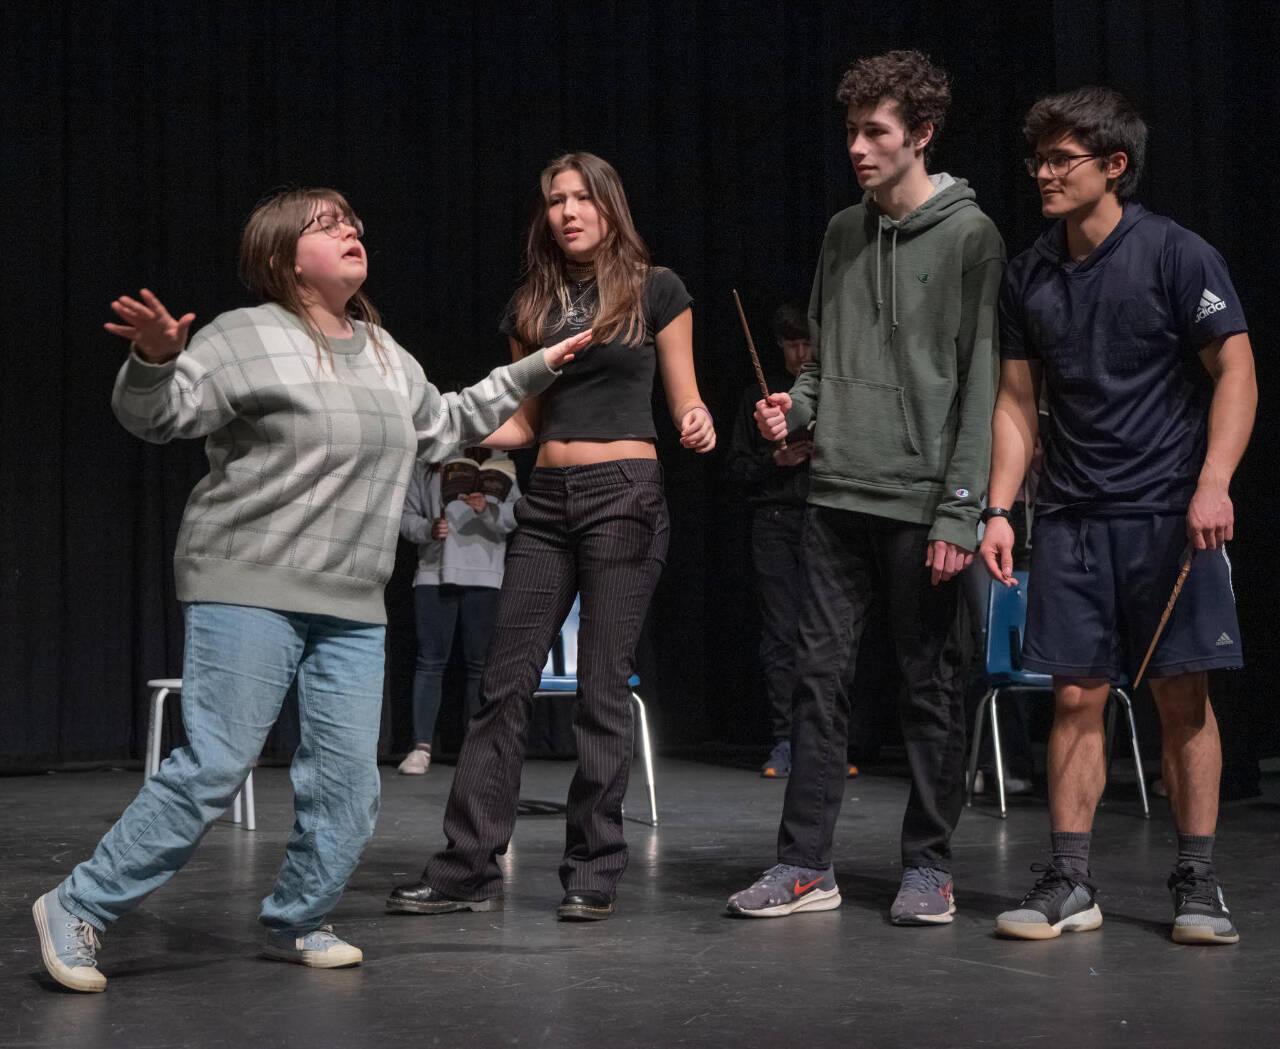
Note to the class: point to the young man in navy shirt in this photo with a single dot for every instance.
(1133, 326)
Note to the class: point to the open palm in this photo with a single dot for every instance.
(149, 326)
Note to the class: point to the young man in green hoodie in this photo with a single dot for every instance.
(901, 385)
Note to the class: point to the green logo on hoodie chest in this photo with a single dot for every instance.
(923, 277)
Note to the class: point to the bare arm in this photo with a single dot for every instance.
(521, 430)
(1229, 361)
(675, 360)
(1014, 426)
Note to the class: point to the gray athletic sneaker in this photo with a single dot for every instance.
(1060, 901)
(1200, 914)
(321, 949)
(785, 889)
(924, 899)
(68, 945)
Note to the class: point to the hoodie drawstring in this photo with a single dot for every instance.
(893, 279)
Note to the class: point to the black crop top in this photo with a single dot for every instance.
(606, 393)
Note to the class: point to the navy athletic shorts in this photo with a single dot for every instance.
(1098, 586)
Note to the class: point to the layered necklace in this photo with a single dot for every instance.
(581, 286)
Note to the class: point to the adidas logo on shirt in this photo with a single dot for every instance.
(1224, 639)
(1209, 303)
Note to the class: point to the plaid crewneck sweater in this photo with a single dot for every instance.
(308, 462)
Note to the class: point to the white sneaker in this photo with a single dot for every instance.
(415, 763)
(321, 949)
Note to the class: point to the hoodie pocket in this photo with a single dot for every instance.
(867, 425)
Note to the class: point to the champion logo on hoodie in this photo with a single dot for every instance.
(923, 278)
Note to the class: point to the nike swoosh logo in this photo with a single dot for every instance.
(800, 889)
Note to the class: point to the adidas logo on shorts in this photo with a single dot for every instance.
(1209, 303)
(1224, 639)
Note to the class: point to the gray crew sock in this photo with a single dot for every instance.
(1070, 850)
(1196, 850)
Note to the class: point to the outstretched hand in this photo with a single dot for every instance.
(771, 416)
(563, 352)
(150, 327)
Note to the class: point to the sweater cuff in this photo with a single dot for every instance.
(141, 374)
(532, 374)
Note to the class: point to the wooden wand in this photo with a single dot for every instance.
(1168, 608)
(755, 359)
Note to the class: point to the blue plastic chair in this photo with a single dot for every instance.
(1006, 620)
(561, 675)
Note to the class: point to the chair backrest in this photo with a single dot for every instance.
(1006, 619)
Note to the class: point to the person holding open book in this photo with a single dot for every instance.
(593, 522)
(459, 513)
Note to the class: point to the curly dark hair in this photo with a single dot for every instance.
(909, 78)
(1102, 119)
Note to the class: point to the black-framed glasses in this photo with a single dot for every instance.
(1059, 164)
(331, 225)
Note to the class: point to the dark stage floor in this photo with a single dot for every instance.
(668, 970)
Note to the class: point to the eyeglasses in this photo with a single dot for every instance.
(1059, 164)
(331, 225)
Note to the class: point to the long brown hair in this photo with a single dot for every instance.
(269, 249)
(621, 264)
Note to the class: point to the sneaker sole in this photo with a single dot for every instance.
(818, 900)
(925, 919)
(1084, 921)
(1202, 934)
(333, 959)
(63, 973)
(444, 906)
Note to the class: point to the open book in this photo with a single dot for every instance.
(463, 475)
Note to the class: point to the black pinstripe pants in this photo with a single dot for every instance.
(599, 530)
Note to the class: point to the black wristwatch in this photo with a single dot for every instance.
(994, 511)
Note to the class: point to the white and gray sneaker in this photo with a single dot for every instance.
(320, 949)
(925, 898)
(784, 890)
(1060, 901)
(1200, 913)
(68, 945)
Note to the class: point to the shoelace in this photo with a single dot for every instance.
(918, 879)
(1051, 879)
(87, 941)
(1192, 887)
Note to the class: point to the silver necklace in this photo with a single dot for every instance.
(578, 312)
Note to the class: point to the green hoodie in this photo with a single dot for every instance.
(902, 381)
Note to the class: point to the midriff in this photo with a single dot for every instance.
(580, 453)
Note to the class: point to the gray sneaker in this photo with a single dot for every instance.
(321, 949)
(924, 899)
(785, 889)
(68, 945)
(1060, 901)
(1200, 913)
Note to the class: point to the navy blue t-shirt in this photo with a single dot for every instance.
(1118, 336)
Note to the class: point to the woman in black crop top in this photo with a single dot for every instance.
(593, 522)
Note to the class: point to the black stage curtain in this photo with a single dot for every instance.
(137, 137)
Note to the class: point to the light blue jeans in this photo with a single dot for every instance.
(237, 667)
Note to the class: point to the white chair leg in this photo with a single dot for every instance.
(995, 746)
(1137, 753)
(647, 752)
(155, 723)
(979, 724)
(235, 807)
(250, 818)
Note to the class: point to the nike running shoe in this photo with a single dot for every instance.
(785, 889)
(924, 899)
(779, 764)
(1060, 901)
(1200, 914)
